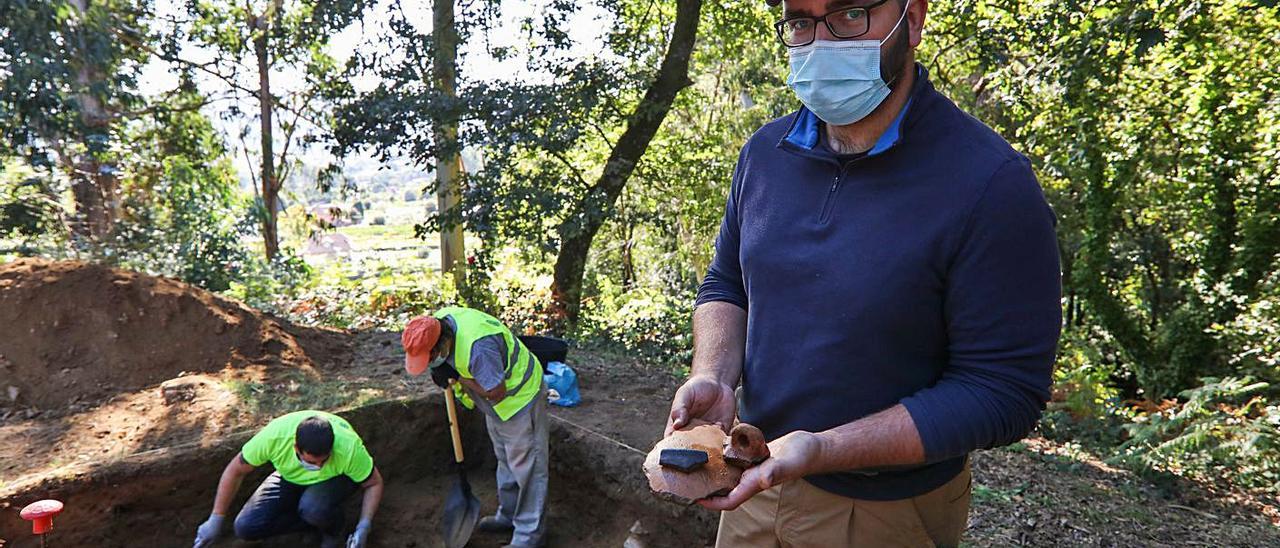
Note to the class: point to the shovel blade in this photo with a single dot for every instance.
(461, 513)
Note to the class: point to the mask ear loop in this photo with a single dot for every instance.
(890, 83)
(902, 17)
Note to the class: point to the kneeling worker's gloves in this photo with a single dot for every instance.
(360, 537)
(209, 531)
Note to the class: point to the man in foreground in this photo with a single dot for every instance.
(885, 290)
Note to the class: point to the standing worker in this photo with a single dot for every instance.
(497, 373)
(319, 461)
(885, 289)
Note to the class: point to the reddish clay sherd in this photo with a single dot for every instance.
(725, 459)
(747, 447)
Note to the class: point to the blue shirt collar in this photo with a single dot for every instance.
(804, 132)
(892, 134)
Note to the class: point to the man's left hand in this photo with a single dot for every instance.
(791, 457)
(360, 537)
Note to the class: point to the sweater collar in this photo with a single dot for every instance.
(804, 134)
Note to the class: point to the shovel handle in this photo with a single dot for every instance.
(453, 423)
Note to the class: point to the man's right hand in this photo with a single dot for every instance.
(209, 531)
(702, 398)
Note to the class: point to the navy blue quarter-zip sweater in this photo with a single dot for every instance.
(924, 272)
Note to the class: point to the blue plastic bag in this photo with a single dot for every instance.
(562, 385)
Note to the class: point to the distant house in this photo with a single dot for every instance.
(331, 214)
(329, 243)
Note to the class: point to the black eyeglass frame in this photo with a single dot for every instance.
(823, 19)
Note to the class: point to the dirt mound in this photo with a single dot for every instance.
(72, 331)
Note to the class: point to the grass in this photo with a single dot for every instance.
(293, 391)
(989, 495)
(369, 236)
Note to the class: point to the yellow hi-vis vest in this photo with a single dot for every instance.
(522, 372)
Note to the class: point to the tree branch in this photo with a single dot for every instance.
(577, 174)
(203, 67)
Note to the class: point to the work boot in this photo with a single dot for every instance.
(494, 524)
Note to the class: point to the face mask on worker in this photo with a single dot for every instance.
(308, 466)
(437, 362)
(840, 81)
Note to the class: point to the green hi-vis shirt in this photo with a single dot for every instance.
(275, 443)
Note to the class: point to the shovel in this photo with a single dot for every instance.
(461, 508)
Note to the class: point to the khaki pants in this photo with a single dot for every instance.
(797, 514)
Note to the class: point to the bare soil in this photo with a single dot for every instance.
(73, 331)
(84, 348)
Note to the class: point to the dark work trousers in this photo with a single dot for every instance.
(279, 507)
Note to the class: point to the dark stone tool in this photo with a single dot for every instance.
(684, 460)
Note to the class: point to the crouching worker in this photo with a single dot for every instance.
(319, 462)
(495, 372)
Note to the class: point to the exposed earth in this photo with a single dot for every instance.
(125, 395)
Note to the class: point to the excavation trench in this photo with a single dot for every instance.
(157, 498)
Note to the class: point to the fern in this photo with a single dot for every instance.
(1224, 429)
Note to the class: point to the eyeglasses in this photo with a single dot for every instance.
(843, 23)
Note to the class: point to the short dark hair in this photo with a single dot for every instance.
(446, 332)
(315, 436)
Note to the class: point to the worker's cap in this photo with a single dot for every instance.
(419, 337)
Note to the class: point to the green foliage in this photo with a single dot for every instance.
(1083, 380)
(665, 223)
(266, 284)
(182, 211)
(538, 138)
(1225, 429)
(29, 206)
(52, 58)
(648, 324)
(1252, 340)
(385, 298)
(1158, 158)
(519, 293)
(546, 136)
(68, 76)
(250, 41)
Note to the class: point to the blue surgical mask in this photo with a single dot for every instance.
(436, 362)
(308, 466)
(840, 81)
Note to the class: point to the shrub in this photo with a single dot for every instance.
(268, 285)
(386, 300)
(648, 323)
(1225, 429)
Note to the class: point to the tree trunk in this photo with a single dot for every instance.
(93, 183)
(580, 228)
(449, 164)
(270, 238)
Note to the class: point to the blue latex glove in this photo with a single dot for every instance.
(209, 531)
(360, 536)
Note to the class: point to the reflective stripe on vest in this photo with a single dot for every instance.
(473, 325)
